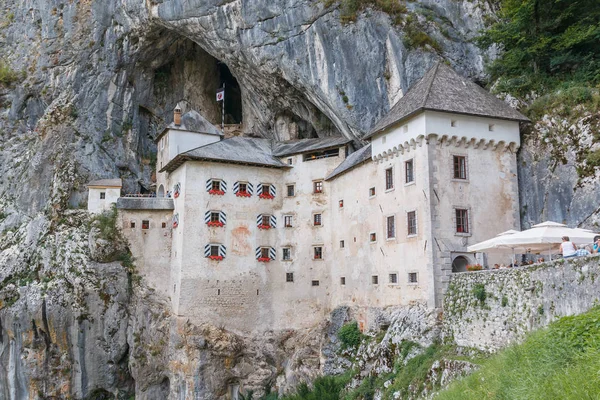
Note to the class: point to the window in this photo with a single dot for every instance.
(453, 123)
(341, 203)
(389, 179)
(405, 128)
(383, 139)
(343, 281)
(264, 252)
(102, 195)
(216, 185)
(315, 283)
(132, 224)
(317, 253)
(266, 189)
(291, 190)
(342, 244)
(372, 192)
(375, 280)
(372, 237)
(243, 188)
(290, 161)
(460, 167)
(491, 127)
(214, 216)
(266, 220)
(390, 227)
(409, 171)
(164, 224)
(317, 219)
(214, 250)
(413, 277)
(286, 254)
(411, 223)
(393, 278)
(289, 277)
(462, 221)
(318, 187)
(288, 221)
(145, 224)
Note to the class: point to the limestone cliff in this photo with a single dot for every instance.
(85, 87)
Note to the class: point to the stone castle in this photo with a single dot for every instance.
(254, 234)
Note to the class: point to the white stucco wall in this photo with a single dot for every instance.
(96, 204)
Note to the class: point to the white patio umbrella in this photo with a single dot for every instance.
(493, 245)
(545, 237)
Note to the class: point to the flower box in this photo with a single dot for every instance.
(264, 259)
(264, 226)
(216, 258)
(243, 194)
(266, 196)
(175, 224)
(215, 223)
(474, 267)
(176, 194)
(216, 192)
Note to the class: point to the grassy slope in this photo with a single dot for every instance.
(560, 362)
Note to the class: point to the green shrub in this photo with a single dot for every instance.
(349, 9)
(350, 336)
(7, 75)
(107, 223)
(479, 292)
(504, 301)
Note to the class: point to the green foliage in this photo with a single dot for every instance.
(479, 292)
(350, 336)
(504, 301)
(415, 36)
(544, 43)
(560, 362)
(7, 75)
(107, 223)
(349, 9)
(324, 388)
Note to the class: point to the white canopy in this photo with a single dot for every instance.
(542, 237)
(490, 244)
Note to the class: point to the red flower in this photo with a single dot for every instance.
(175, 224)
(176, 194)
(266, 196)
(215, 223)
(216, 258)
(261, 226)
(216, 192)
(243, 194)
(264, 259)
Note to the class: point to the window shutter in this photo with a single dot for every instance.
(209, 184)
(222, 217)
(207, 217)
(259, 188)
(257, 253)
(236, 187)
(273, 221)
(175, 220)
(272, 190)
(222, 250)
(224, 186)
(272, 253)
(259, 219)
(207, 250)
(250, 188)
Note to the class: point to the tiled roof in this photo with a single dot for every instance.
(242, 150)
(358, 157)
(106, 183)
(192, 121)
(289, 147)
(442, 89)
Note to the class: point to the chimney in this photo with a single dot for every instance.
(177, 115)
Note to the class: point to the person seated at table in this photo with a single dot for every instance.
(530, 262)
(496, 266)
(567, 248)
(541, 260)
(596, 246)
(582, 251)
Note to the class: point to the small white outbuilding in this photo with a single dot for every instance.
(103, 193)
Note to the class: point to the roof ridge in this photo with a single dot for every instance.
(435, 71)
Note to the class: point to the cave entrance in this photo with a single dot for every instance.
(233, 94)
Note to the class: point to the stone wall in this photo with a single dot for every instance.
(517, 300)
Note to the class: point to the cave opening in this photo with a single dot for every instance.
(233, 94)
